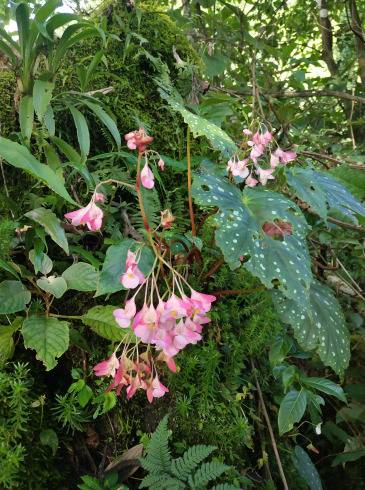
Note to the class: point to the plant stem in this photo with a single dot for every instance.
(191, 209)
(69, 317)
(269, 426)
(139, 194)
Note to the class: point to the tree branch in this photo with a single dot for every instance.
(355, 24)
(327, 38)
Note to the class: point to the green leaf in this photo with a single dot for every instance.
(292, 408)
(82, 130)
(42, 95)
(323, 193)
(114, 265)
(84, 395)
(321, 326)
(70, 153)
(53, 285)
(348, 456)
(81, 276)
(46, 263)
(49, 121)
(49, 337)
(10, 267)
(352, 178)
(202, 127)
(6, 339)
(20, 157)
(326, 386)
(26, 117)
(306, 468)
(239, 233)
(53, 160)
(101, 320)
(14, 297)
(105, 119)
(48, 437)
(51, 224)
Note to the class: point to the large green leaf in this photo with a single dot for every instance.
(239, 223)
(292, 408)
(202, 127)
(14, 297)
(51, 224)
(82, 130)
(352, 178)
(105, 119)
(53, 285)
(42, 95)
(325, 386)
(114, 265)
(306, 468)
(6, 339)
(323, 193)
(81, 276)
(321, 326)
(49, 337)
(20, 157)
(101, 320)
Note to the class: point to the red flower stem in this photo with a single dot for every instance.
(139, 194)
(188, 158)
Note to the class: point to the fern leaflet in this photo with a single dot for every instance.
(183, 467)
(206, 473)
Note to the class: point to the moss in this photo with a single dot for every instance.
(135, 98)
(8, 120)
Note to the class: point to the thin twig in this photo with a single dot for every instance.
(269, 426)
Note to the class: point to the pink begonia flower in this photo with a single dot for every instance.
(265, 175)
(123, 316)
(247, 132)
(202, 301)
(285, 156)
(257, 151)
(174, 308)
(156, 389)
(168, 360)
(99, 197)
(135, 384)
(138, 140)
(161, 164)
(147, 178)
(91, 215)
(133, 276)
(238, 168)
(107, 367)
(251, 181)
(120, 379)
(167, 219)
(274, 160)
(146, 323)
(262, 138)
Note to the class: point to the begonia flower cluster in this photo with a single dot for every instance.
(257, 151)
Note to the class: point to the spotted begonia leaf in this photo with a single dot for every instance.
(200, 126)
(239, 233)
(320, 327)
(323, 193)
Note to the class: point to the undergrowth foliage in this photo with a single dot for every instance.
(177, 252)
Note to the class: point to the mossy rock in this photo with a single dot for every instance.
(135, 98)
(8, 116)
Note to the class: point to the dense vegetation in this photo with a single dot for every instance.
(182, 244)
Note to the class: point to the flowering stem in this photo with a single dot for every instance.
(114, 181)
(191, 209)
(139, 194)
(70, 317)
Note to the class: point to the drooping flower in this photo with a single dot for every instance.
(123, 316)
(138, 139)
(91, 216)
(285, 156)
(133, 276)
(265, 175)
(246, 132)
(167, 219)
(107, 367)
(156, 389)
(147, 178)
(251, 181)
(99, 197)
(146, 323)
(238, 167)
(161, 164)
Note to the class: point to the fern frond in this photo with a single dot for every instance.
(151, 480)
(225, 486)
(184, 466)
(152, 206)
(158, 459)
(206, 473)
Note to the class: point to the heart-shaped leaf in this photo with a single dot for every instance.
(239, 233)
(323, 193)
(81, 276)
(53, 285)
(321, 326)
(49, 337)
(14, 296)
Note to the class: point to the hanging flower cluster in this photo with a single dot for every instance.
(256, 150)
(165, 326)
(162, 323)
